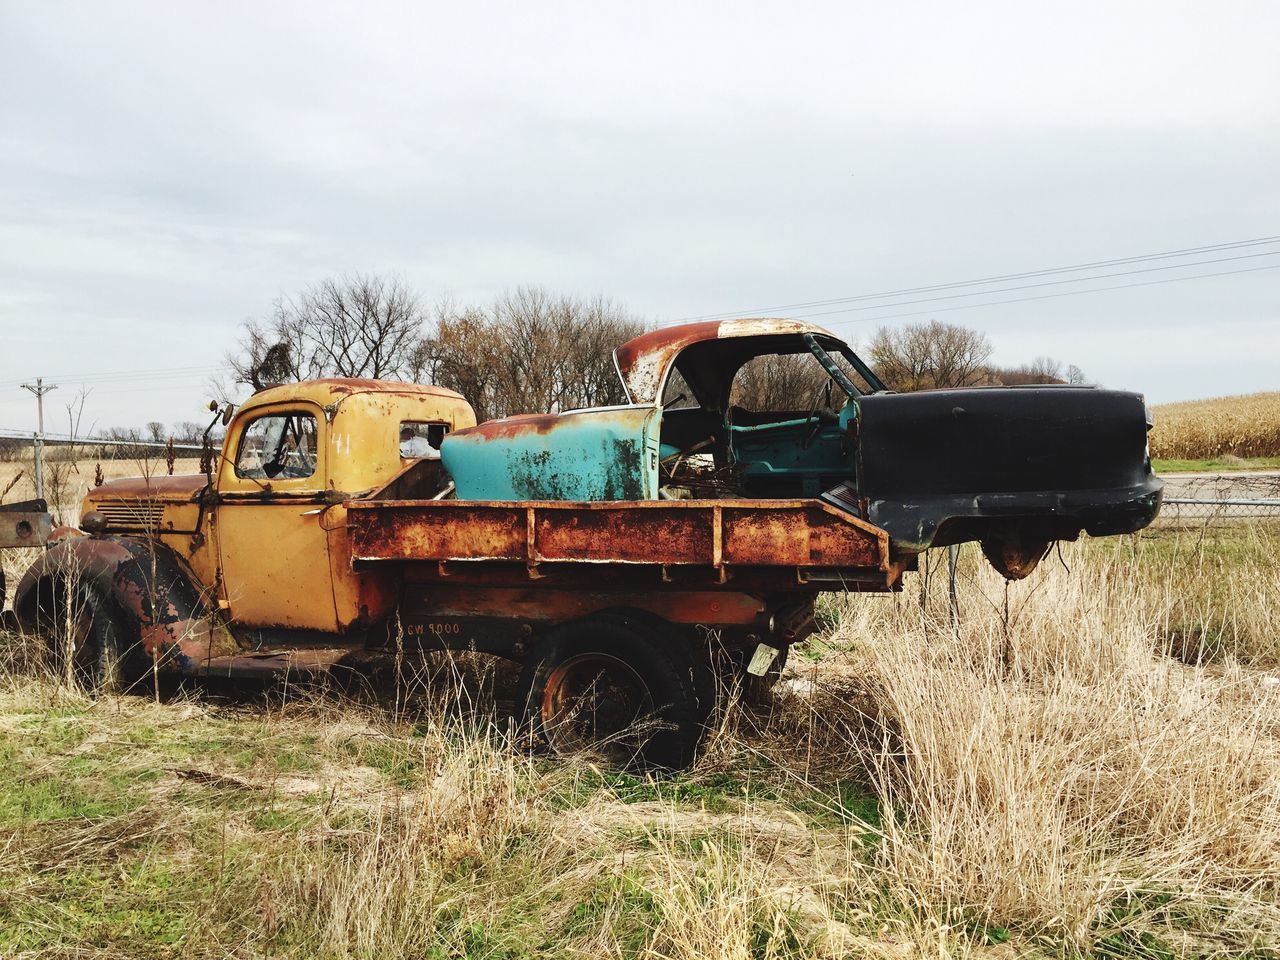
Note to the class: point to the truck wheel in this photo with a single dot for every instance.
(608, 684)
(92, 632)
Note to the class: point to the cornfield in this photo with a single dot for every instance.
(1243, 426)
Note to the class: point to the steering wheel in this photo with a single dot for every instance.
(814, 422)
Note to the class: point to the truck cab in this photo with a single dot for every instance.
(261, 538)
(292, 456)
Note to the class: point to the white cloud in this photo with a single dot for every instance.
(167, 170)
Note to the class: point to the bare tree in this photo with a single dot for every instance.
(531, 351)
(1041, 370)
(930, 355)
(356, 326)
(1048, 368)
(62, 473)
(779, 382)
(188, 431)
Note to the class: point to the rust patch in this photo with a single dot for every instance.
(149, 585)
(539, 604)
(511, 427)
(643, 361)
(809, 536)
(1013, 557)
(626, 536)
(180, 487)
(712, 533)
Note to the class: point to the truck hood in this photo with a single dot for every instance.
(182, 487)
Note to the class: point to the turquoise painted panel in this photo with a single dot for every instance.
(584, 455)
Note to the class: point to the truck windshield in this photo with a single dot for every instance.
(278, 445)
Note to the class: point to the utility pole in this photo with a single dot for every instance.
(39, 388)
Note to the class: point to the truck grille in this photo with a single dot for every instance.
(133, 514)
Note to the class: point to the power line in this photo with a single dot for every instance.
(1046, 283)
(142, 375)
(906, 291)
(1043, 296)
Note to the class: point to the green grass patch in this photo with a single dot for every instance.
(843, 804)
(1216, 465)
(277, 819)
(397, 762)
(625, 903)
(715, 792)
(49, 798)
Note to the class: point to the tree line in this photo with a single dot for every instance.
(531, 350)
(528, 351)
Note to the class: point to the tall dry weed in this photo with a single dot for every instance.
(1057, 772)
(1059, 767)
(428, 869)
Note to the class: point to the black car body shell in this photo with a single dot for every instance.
(938, 467)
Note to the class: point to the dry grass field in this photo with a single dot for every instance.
(1244, 427)
(67, 481)
(1086, 765)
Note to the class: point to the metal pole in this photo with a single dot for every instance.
(39, 389)
(953, 552)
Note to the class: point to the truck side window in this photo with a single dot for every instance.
(421, 440)
(279, 445)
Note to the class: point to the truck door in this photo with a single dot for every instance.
(272, 547)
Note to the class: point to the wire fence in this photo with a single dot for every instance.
(1222, 497)
(1219, 509)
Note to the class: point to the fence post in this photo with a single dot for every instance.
(37, 447)
(953, 552)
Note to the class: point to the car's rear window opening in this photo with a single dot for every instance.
(420, 440)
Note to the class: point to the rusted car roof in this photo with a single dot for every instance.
(644, 361)
(324, 392)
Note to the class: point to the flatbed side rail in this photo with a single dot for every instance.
(705, 533)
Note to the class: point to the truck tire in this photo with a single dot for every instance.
(609, 684)
(106, 656)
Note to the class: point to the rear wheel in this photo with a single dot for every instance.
(611, 685)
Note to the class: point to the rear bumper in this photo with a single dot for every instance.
(922, 522)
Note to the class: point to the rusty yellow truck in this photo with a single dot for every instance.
(616, 553)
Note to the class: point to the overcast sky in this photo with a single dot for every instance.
(167, 170)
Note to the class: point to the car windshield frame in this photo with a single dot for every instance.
(818, 347)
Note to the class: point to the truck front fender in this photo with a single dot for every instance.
(148, 583)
